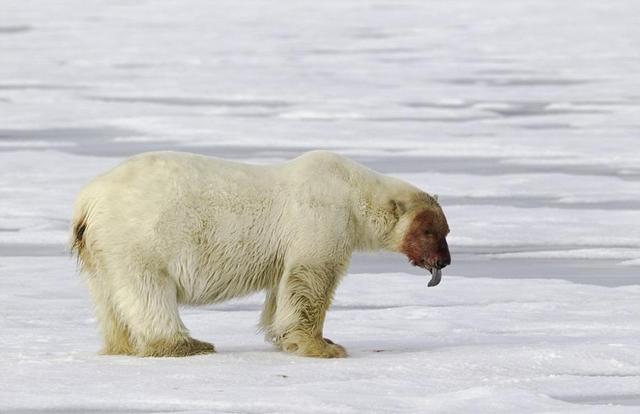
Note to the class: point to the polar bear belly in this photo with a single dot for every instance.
(218, 276)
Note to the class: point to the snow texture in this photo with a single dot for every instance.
(470, 345)
(522, 116)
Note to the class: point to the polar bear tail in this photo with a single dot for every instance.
(78, 244)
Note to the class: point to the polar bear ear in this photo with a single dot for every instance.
(398, 207)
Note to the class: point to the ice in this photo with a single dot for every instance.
(522, 116)
(468, 345)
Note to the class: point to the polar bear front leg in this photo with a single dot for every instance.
(304, 295)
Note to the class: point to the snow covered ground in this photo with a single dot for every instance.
(470, 345)
(523, 116)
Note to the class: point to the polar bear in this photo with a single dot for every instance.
(168, 228)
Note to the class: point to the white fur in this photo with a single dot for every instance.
(166, 228)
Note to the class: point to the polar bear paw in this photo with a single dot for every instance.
(182, 347)
(312, 347)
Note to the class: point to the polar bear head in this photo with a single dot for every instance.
(420, 231)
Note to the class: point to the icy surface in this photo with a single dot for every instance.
(523, 116)
(468, 345)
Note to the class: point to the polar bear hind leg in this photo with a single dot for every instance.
(268, 314)
(147, 304)
(116, 334)
(304, 295)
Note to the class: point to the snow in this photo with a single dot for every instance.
(469, 345)
(522, 116)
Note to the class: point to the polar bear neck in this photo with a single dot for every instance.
(383, 208)
(376, 203)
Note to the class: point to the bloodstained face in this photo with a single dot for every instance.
(425, 242)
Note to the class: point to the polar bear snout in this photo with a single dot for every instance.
(443, 257)
(439, 257)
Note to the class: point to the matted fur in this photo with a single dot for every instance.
(167, 228)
